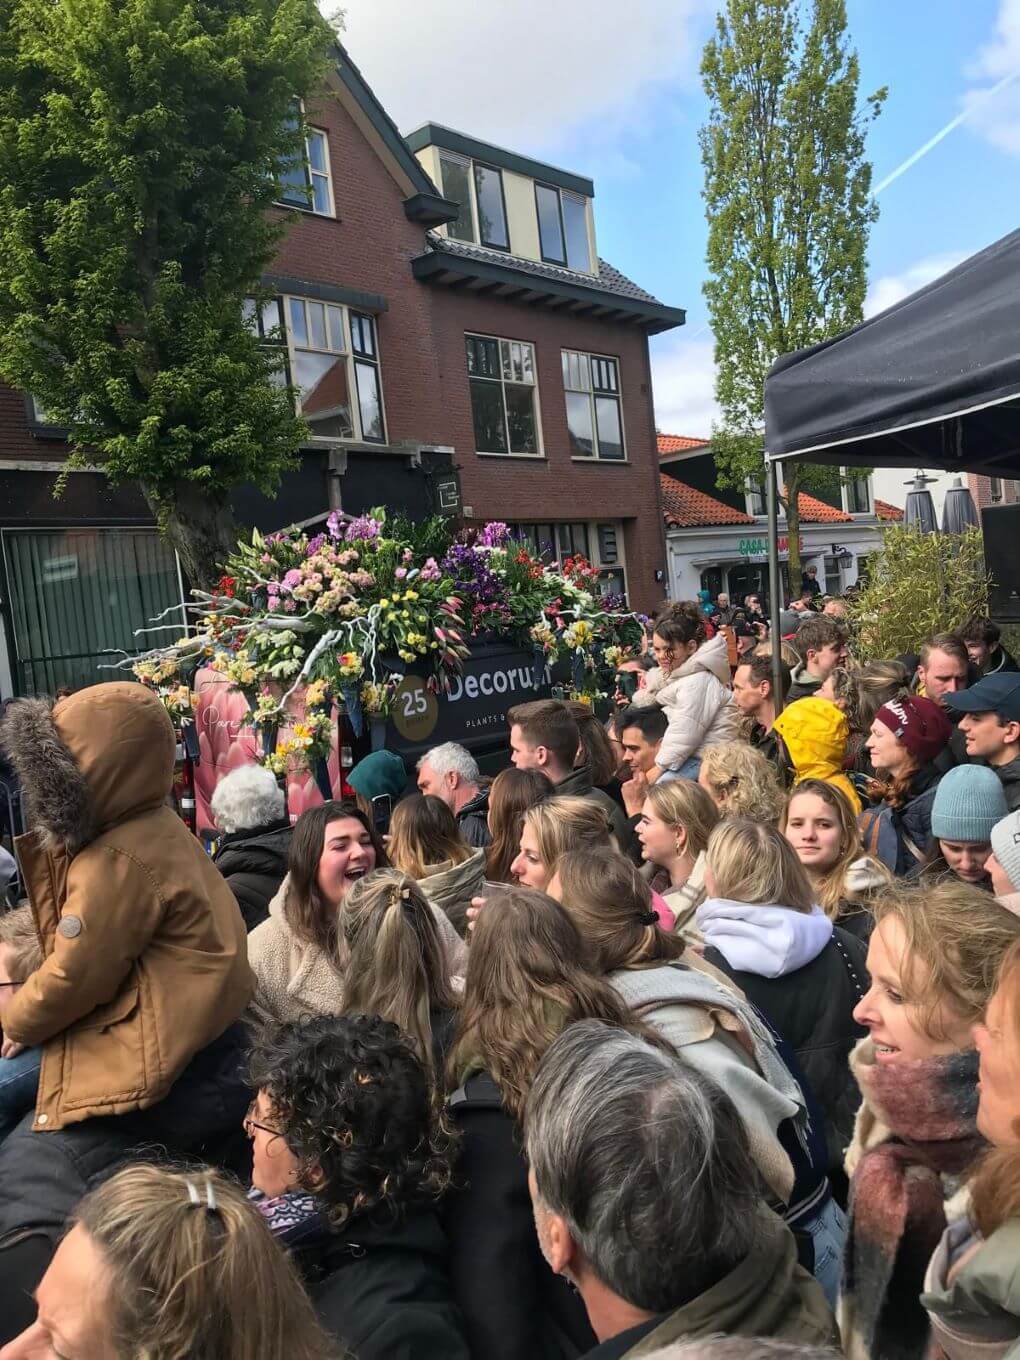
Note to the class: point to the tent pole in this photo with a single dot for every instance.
(775, 594)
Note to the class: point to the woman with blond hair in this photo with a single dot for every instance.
(511, 793)
(553, 827)
(528, 978)
(934, 957)
(763, 927)
(820, 824)
(712, 1028)
(425, 843)
(970, 1286)
(396, 967)
(741, 782)
(163, 1263)
(676, 822)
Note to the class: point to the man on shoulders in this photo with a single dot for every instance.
(989, 719)
(544, 736)
(451, 773)
(822, 644)
(986, 652)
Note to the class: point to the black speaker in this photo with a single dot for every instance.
(1000, 525)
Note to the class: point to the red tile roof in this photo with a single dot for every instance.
(679, 443)
(886, 511)
(814, 511)
(685, 508)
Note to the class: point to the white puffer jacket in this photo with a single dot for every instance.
(698, 702)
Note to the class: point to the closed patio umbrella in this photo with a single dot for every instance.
(919, 512)
(959, 511)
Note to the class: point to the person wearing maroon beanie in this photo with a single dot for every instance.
(907, 735)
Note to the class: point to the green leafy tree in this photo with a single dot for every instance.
(919, 585)
(140, 142)
(788, 199)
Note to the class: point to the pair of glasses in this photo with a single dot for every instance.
(251, 1124)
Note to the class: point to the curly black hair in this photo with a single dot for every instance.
(359, 1112)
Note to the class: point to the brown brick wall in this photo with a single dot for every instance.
(981, 490)
(421, 342)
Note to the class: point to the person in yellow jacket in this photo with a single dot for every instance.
(814, 733)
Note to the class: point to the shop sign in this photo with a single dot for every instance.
(759, 547)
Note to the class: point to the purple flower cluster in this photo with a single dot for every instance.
(471, 576)
(495, 534)
(362, 528)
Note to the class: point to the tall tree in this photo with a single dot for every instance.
(140, 144)
(788, 200)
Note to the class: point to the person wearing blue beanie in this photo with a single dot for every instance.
(968, 802)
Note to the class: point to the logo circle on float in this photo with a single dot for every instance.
(415, 709)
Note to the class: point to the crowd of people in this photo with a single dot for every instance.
(694, 1032)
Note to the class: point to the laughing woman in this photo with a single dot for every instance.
(298, 956)
(933, 959)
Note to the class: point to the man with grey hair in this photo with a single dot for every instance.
(647, 1200)
(250, 809)
(451, 773)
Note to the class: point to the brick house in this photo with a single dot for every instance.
(716, 536)
(459, 348)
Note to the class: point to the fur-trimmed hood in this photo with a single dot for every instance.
(91, 761)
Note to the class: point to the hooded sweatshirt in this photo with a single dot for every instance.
(807, 976)
(803, 684)
(815, 734)
(696, 699)
(768, 940)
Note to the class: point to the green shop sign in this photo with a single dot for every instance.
(759, 547)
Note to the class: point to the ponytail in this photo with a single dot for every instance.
(396, 966)
(193, 1270)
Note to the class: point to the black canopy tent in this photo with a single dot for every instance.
(933, 381)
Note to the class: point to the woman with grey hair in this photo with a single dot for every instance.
(250, 810)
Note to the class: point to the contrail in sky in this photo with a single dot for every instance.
(955, 123)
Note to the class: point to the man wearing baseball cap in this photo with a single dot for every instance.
(989, 718)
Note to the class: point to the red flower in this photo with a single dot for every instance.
(227, 585)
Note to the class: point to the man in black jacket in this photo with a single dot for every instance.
(450, 772)
(984, 648)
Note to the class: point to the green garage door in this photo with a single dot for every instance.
(76, 594)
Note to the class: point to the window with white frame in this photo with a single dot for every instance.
(591, 384)
(456, 177)
(562, 228)
(600, 543)
(305, 181)
(995, 488)
(857, 494)
(756, 495)
(504, 395)
(267, 322)
(332, 359)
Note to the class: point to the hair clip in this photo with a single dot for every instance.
(405, 893)
(648, 918)
(210, 1195)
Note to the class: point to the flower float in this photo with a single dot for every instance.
(303, 622)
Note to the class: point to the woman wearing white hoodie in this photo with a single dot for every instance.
(691, 684)
(763, 927)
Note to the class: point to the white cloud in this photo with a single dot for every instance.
(892, 288)
(996, 116)
(683, 379)
(523, 73)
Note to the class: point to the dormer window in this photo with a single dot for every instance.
(562, 228)
(479, 191)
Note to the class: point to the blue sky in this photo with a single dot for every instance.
(613, 92)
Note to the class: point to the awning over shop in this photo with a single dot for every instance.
(934, 381)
